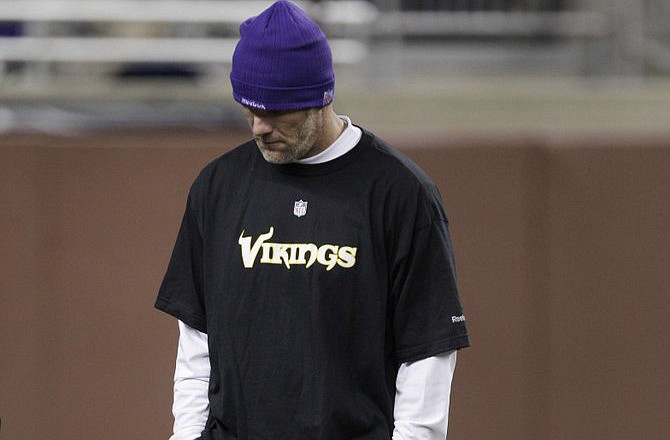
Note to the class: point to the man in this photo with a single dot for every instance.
(312, 276)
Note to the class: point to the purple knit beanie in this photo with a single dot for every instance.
(282, 61)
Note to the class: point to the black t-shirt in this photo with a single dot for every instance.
(313, 283)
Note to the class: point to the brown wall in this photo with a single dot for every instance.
(563, 248)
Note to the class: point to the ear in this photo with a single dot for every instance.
(327, 112)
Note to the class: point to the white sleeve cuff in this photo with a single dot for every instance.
(423, 390)
(191, 384)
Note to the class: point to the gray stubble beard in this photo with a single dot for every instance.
(307, 138)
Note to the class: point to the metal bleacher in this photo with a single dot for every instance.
(43, 19)
(52, 33)
(100, 51)
(127, 62)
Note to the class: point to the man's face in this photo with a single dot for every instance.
(285, 136)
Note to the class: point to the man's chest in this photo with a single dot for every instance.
(301, 258)
(296, 225)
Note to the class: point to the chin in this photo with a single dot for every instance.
(276, 157)
(287, 155)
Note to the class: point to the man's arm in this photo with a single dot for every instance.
(191, 384)
(422, 396)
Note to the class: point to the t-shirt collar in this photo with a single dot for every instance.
(345, 142)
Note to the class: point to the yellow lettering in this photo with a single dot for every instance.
(249, 252)
(288, 254)
(327, 256)
(312, 249)
(346, 256)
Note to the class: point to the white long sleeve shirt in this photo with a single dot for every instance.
(423, 388)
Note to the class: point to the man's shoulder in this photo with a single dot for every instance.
(228, 164)
(402, 166)
(406, 181)
(223, 171)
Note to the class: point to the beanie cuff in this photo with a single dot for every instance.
(283, 98)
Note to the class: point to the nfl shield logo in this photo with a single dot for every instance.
(300, 208)
(328, 96)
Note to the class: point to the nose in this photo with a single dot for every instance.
(260, 126)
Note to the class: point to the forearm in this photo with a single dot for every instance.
(422, 397)
(191, 383)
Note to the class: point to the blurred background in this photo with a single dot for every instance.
(545, 124)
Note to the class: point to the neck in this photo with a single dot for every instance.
(332, 128)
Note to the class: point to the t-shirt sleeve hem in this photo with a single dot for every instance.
(413, 354)
(193, 321)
